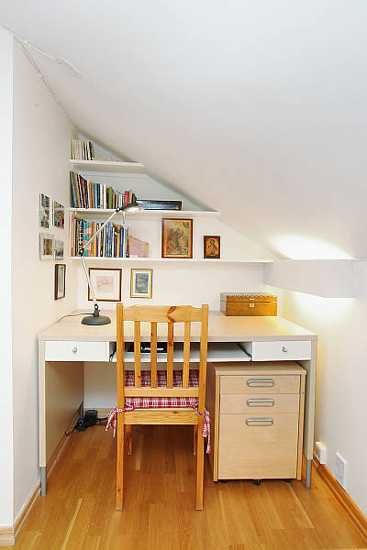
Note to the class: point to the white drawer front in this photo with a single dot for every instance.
(76, 351)
(281, 350)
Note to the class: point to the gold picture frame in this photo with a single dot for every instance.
(141, 283)
(177, 237)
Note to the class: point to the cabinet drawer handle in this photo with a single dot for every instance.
(260, 402)
(284, 349)
(74, 349)
(259, 421)
(260, 382)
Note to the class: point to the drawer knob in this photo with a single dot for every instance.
(260, 382)
(260, 402)
(74, 349)
(284, 349)
(259, 421)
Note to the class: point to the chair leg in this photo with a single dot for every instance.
(129, 439)
(195, 431)
(199, 505)
(120, 462)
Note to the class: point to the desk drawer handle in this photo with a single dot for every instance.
(260, 382)
(74, 349)
(260, 402)
(284, 349)
(260, 421)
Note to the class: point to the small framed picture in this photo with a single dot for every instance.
(58, 215)
(211, 246)
(141, 283)
(176, 238)
(45, 211)
(60, 272)
(59, 250)
(106, 283)
(46, 246)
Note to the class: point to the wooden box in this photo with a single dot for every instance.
(248, 304)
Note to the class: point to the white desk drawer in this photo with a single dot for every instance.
(279, 350)
(61, 350)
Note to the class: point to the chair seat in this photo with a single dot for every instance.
(161, 402)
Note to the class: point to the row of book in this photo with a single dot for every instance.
(111, 242)
(82, 150)
(86, 194)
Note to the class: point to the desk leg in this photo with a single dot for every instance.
(308, 473)
(42, 418)
(43, 480)
(310, 395)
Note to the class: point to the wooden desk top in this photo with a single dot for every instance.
(221, 329)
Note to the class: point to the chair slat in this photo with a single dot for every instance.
(170, 345)
(153, 354)
(162, 314)
(186, 355)
(137, 353)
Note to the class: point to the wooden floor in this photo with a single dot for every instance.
(78, 512)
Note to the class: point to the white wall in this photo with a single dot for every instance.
(342, 379)
(6, 398)
(41, 149)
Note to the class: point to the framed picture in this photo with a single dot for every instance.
(59, 250)
(106, 283)
(45, 211)
(58, 215)
(141, 283)
(211, 246)
(46, 246)
(60, 272)
(176, 238)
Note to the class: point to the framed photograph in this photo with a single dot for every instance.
(141, 283)
(46, 246)
(60, 272)
(106, 283)
(176, 238)
(58, 215)
(211, 246)
(59, 250)
(45, 211)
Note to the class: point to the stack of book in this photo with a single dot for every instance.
(85, 194)
(111, 242)
(82, 150)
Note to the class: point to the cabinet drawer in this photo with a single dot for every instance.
(279, 350)
(258, 446)
(259, 404)
(259, 384)
(58, 350)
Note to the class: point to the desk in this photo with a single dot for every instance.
(67, 344)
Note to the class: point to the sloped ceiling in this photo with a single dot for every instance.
(257, 109)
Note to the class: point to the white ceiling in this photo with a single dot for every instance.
(257, 109)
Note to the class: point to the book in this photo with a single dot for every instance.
(82, 149)
(87, 194)
(111, 242)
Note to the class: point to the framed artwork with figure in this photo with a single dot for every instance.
(177, 238)
(212, 246)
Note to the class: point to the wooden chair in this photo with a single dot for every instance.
(178, 385)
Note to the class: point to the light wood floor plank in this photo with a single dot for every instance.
(78, 512)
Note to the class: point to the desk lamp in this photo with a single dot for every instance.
(95, 318)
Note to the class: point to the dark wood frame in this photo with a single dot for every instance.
(206, 238)
(57, 276)
(90, 299)
(132, 274)
(164, 220)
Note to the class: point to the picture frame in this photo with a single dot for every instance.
(141, 283)
(107, 284)
(46, 246)
(212, 246)
(60, 278)
(58, 250)
(177, 237)
(58, 214)
(45, 212)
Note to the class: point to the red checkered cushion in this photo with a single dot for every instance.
(161, 402)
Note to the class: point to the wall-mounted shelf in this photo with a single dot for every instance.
(145, 214)
(106, 166)
(176, 260)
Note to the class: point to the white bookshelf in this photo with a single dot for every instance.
(93, 213)
(78, 165)
(176, 260)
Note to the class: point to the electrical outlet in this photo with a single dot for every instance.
(321, 452)
(341, 469)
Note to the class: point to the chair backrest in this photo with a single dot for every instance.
(161, 322)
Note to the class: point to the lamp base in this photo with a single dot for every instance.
(92, 320)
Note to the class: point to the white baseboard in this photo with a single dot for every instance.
(7, 536)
